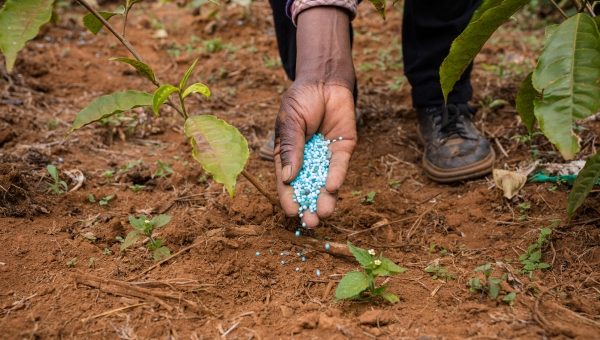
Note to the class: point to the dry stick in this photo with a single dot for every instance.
(165, 260)
(336, 249)
(541, 319)
(260, 188)
(559, 9)
(375, 227)
(112, 311)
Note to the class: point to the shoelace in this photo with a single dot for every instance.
(451, 121)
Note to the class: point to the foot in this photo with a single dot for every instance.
(454, 149)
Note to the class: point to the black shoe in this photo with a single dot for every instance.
(454, 149)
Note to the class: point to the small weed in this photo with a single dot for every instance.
(492, 286)
(105, 200)
(356, 193)
(370, 198)
(397, 83)
(366, 67)
(437, 248)
(92, 262)
(137, 187)
(523, 209)
(52, 124)
(163, 169)
(395, 183)
(532, 259)
(72, 262)
(271, 63)
(144, 226)
(91, 198)
(212, 45)
(438, 271)
(57, 186)
(361, 284)
(107, 251)
(108, 174)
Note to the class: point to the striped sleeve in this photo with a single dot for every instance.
(295, 7)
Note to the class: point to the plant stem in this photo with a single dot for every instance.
(559, 9)
(185, 115)
(111, 29)
(260, 188)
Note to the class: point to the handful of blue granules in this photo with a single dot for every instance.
(313, 174)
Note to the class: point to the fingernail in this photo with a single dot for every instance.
(287, 173)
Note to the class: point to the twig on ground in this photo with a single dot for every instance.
(335, 248)
(112, 311)
(377, 226)
(500, 147)
(541, 319)
(418, 221)
(156, 265)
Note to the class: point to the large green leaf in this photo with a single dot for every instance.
(219, 147)
(351, 285)
(108, 105)
(142, 68)
(584, 183)
(362, 256)
(568, 77)
(466, 46)
(525, 98)
(20, 21)
(94, 25)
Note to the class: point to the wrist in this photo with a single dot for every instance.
(324, 53)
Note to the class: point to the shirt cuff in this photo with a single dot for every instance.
(295, 7)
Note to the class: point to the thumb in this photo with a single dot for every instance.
(290, 133)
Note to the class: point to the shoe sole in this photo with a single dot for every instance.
(471, 171)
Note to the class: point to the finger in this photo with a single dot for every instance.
(310, 219)
(326, 204)
(290, 136)
(338, 166)
(285, 191)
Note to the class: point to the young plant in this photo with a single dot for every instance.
(532, 259)
(437, 271)
(57, 186)
(145, 227)
(492, 286)
(362, 284)
(162, 170)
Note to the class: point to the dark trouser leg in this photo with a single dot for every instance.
(286, 40)
(428, 29)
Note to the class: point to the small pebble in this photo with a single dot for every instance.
(297, 269)
(282, 262)
(258, 253)
(303, 259)
(318, 272)
(327, 246)
(297, 233)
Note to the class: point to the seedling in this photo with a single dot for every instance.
(523, 209)
(361, 284)
(91, 198)
(532, 259)
(105, 200)
(163, 169)
(145, 227)
(137, 187)
(57, 186)
(72, 262)
(438, 271)
(370, 198)
(492, 286)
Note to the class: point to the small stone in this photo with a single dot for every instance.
(376, 317)
(318, 272)
(327, 246)
(297, 269)
(303, 258)
(258, 253)
(297, 233)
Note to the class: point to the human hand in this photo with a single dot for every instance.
(319, 100)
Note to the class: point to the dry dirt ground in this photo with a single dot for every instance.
(62, 274)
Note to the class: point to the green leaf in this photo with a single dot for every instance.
(535, 256)
(93, 24)
(161, 95)
(197, 88)
(131, 238)
(486, 269)
(186, 76)
(584, 183)
(568, 77)
(379, 290)
(108, 105)
(485, 5)
(20, 21)
(548, 31)
(474, 284)
(141, 67)
(525, 98)
(219, 147)
(466, 46)
(510, 297)
(494, 288)
(390, 297)
(379, 7)
(362, 256)
(388, 268)
(161, 220)
(351, 285)
(53, 172)
(161, 253)
(543, 265)
(138, 223)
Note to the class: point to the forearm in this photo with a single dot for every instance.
(324, 52)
